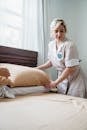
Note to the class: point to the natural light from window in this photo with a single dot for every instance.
(11, 22)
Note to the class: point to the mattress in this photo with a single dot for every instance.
(43, 111)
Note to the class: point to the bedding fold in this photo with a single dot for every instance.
(7, 92)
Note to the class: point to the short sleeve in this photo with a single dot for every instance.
(71, 55)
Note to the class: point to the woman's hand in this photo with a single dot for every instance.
(52, 84)
(4, 72)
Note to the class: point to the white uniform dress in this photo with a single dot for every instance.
(67, 56)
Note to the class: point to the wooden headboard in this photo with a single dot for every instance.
(18, 56)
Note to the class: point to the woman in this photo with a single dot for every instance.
(63, 55)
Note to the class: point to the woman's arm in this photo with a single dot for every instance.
(67, 72)
(46, 65)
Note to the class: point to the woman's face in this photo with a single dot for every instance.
(59, 32)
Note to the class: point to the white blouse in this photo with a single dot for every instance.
(65, 56)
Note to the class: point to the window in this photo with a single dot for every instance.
(11, 22)
(21, 25)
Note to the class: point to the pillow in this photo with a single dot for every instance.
(25, 76)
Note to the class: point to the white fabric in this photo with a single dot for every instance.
(33, 38)
(66, 56)
(72, 62)
(7, 92)
(28, 90)
(44, 112)
(23, 28)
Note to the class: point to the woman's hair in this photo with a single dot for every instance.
(55, 22)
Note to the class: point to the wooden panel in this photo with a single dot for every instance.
(18, 56)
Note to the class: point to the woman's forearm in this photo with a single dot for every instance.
(67, 72)
(45, 65)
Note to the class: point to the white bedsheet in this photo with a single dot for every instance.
(43, 112)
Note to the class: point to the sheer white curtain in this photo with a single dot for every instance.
(11, 22)
(33, 27)
(21, 25)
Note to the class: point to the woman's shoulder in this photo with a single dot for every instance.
(69, 43)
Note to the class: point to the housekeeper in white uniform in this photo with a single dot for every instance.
(63, 55)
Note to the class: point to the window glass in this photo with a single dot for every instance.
(11, 22)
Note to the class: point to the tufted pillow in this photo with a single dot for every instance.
(26, 76)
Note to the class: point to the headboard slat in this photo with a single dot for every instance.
(18, 56)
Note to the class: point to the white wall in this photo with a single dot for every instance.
(74, 13)
(82, 34)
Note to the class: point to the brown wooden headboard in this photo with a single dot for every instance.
(18, 56)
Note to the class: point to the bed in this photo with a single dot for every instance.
(16, 60)
(39, 109)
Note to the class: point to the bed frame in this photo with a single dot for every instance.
(18, 56)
